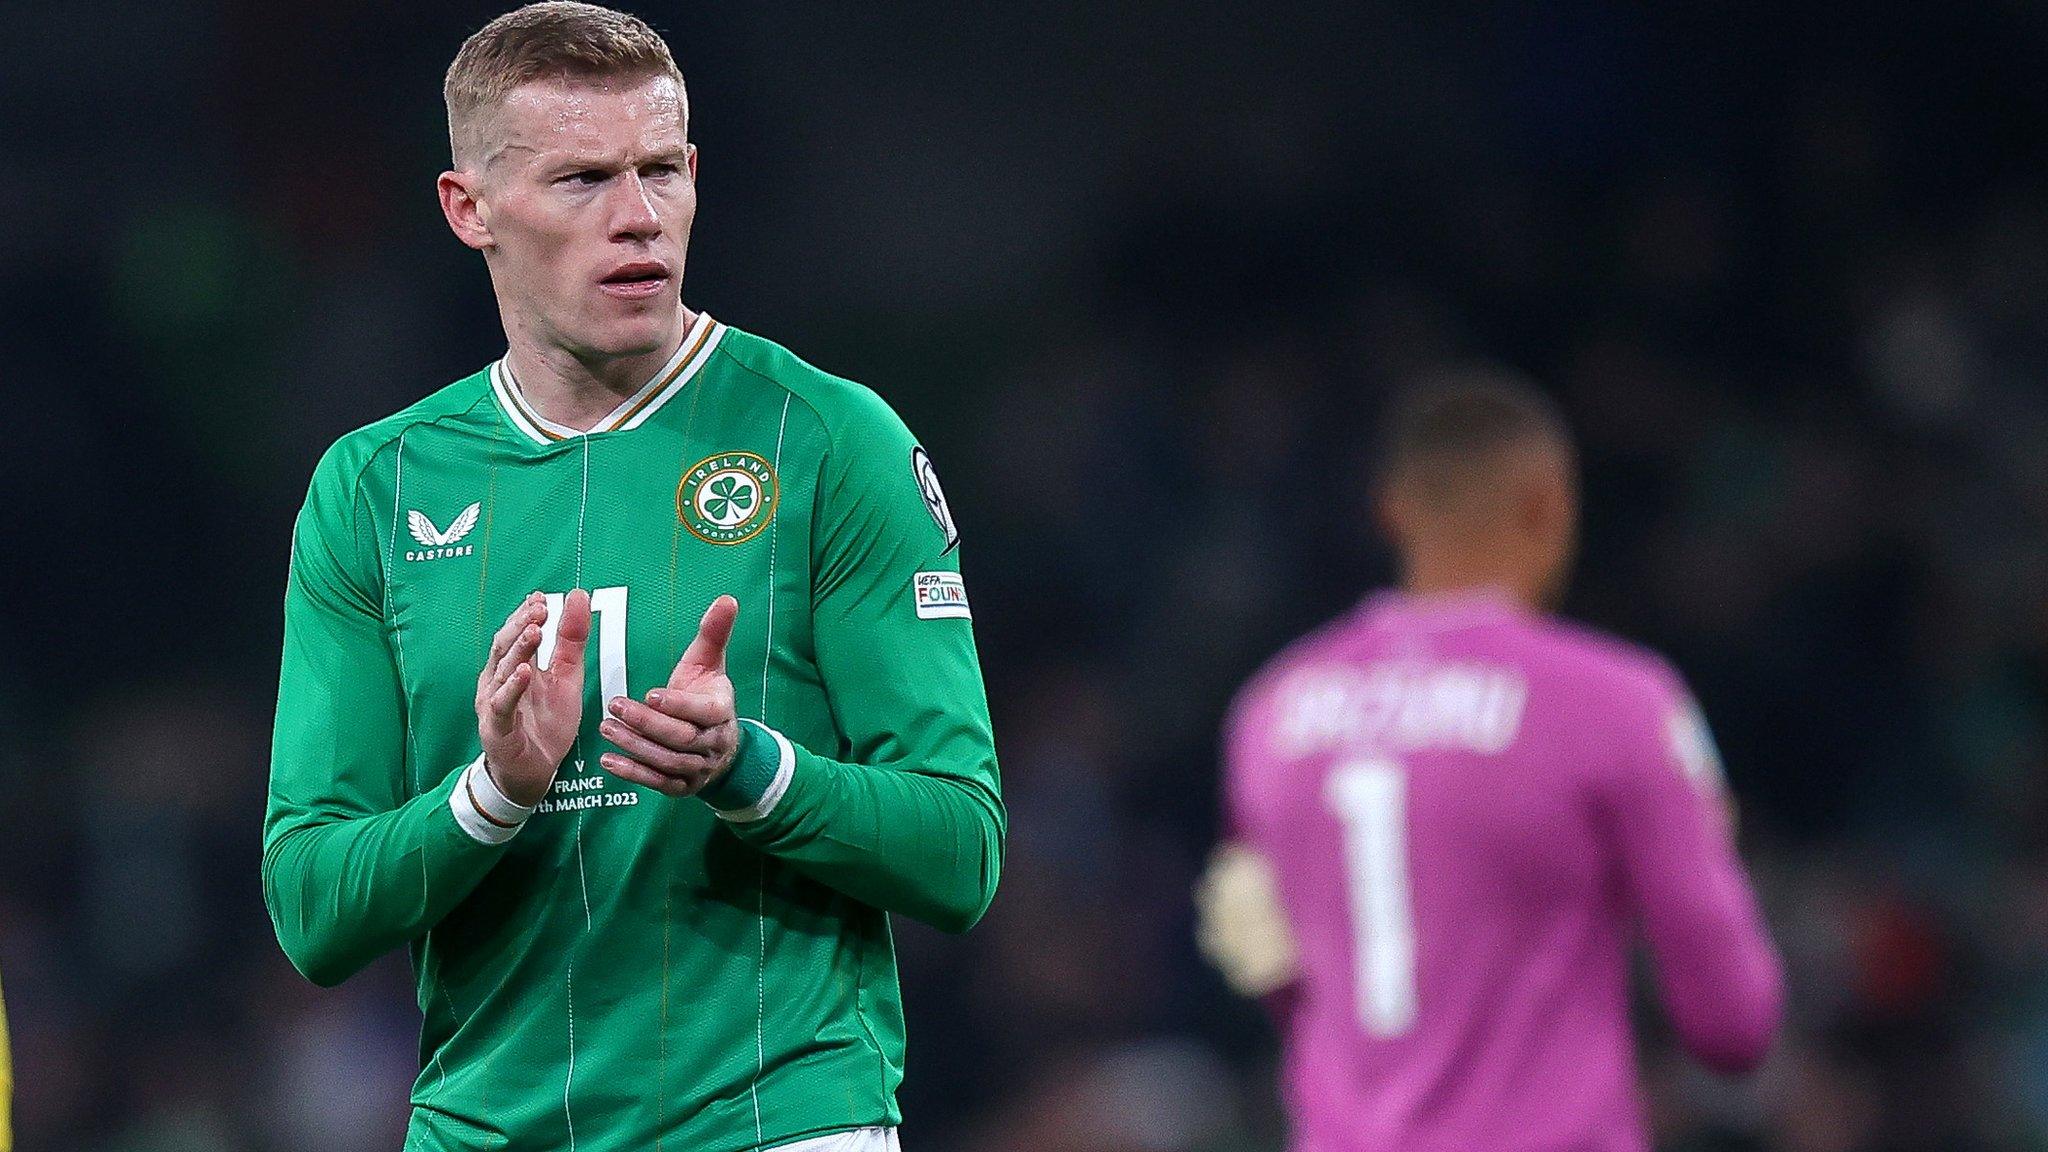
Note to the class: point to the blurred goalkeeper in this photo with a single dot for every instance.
(1451, 814)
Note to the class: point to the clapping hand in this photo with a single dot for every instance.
(527, 716)
(681, 739)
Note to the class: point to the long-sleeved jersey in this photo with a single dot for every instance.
(1469, 811)
(630, 970)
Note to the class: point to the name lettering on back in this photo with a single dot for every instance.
(1401, 707)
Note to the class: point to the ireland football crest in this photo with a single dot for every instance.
(727, 498)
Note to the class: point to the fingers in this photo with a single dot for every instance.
(531, 610)
(707, 651)
(704, 709)
(522, 650)
(572, 633)
(504, 701)
(513, 644)
(514, 622)
(634, 772)
(662, 751)
(660, 727)
(696, 772)
(704, 748)
(639, 747)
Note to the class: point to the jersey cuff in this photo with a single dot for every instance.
(482, 809)
(761, 769)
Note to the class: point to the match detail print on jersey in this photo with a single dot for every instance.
(727, 497)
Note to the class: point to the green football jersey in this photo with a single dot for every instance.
(629, 970)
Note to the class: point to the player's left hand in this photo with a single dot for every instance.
(683, 737)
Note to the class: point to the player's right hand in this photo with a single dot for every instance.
(527, 717)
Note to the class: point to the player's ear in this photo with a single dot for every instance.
(1534, 509)
(690, 160)
(1545, 504)
(464, 208)
(1393, 513)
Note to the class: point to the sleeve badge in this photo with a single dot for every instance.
(934, 497)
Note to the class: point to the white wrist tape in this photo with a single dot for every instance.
(483, 809)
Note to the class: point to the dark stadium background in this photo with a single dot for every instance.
(1138, 273)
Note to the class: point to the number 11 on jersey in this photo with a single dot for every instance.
(608, 623)
(1370, 798)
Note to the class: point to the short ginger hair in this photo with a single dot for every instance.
(557, 39)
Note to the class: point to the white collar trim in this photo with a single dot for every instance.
(691, 356)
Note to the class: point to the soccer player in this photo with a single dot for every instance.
(628, 683)
(1450, 813)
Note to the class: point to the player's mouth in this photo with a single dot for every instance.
(635, 281)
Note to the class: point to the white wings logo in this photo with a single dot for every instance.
(423, 529)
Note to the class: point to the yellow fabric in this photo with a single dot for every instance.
(6, 1085)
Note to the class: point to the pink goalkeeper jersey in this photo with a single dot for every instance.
(1473, 811)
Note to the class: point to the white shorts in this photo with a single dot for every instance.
(858, 1140)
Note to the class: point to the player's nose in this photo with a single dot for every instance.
(634, 216)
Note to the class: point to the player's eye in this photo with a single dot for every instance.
(663, 169)
(587, 178)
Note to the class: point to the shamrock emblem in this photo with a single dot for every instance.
(727, 498)
(731, 497)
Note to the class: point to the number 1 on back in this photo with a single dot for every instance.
(1370, 798)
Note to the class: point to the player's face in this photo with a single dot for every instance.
(589, 203)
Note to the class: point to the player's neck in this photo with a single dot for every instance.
(578, 392)
(1458, 576)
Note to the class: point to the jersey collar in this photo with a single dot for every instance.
(1445, 609)
(633, 411)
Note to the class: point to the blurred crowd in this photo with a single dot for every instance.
(1140, 276)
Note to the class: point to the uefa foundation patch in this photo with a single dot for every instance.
(941, 596)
